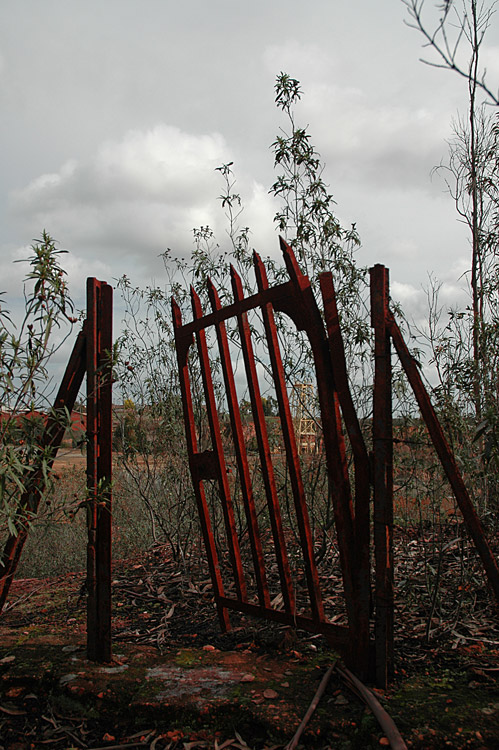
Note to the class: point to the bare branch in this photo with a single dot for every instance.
(448, 51)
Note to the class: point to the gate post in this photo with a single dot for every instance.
(99, 468)
(382, 475)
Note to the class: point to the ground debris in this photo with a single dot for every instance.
(162, 619)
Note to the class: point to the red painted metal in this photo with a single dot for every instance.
(99, 469)
(383, 476)
(294, 298)
(201, 463)
(352, 529)
(92, 355)
(241, 455)
(471, 519)
(361, 559)
(290, 447)
(264, 450)
(220, 467)
(51, 440)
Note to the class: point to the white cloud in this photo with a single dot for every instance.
(304, 61)
(131, 200)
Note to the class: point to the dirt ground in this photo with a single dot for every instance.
(177, 682)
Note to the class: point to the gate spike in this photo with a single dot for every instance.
(291, 449)
(216, 439)
(240, 452)
(176, 312)
(295, 273)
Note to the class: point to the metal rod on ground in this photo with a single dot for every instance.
(315, 702)
(384, 719)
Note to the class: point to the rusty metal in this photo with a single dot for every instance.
(36, 481)
(382, 476)
(264, 449)
(202, 464)
(294, 298)
(241, 456)
(362, 528)
(91, 355)
(291, 449)
(352, 532)
(99, 468)
(470, 517)
(221, 468)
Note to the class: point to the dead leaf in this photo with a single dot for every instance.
(269, 693)
(240, 739)
(247, 677)
(170, 612)
(227, 743)
(12, 710)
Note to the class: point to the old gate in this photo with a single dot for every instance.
(295, 299)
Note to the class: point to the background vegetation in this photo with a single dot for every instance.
(154, 502)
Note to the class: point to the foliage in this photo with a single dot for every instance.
(464, 342)
(25, 349)
(151, 435)
(458, 23)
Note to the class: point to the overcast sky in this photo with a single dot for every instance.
(115, 113)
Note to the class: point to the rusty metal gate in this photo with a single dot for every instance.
(294, 298)
(352, 506)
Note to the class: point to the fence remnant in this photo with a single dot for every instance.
(99, 468)
(363, 643)
(295, 298)
(91, 355)
(367, 647)
(382, 475)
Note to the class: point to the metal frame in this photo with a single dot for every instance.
(91, 355)
(352, 513)
(294, 298)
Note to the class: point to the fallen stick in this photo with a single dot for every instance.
(384, 720)
(315, 702)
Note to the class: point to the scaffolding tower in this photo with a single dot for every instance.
(303, 410)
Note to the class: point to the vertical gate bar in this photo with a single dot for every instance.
(361, 468)
(183, 344)
(383, 476)
(92, 472)
(241, 455)
(264, 449)
(216, 438)
(52, 437)
(302, 307)
(291, 449)
(470, 516)
(103, 539)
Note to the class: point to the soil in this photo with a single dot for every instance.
(176, 681)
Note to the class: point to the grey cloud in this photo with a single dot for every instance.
(132, 199)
